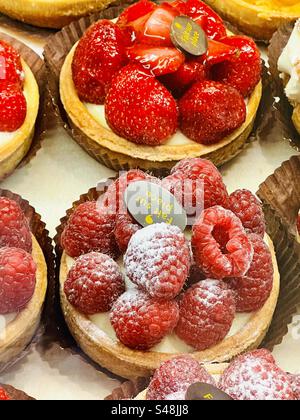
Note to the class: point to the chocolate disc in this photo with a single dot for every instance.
(206, 392)
(188, 36)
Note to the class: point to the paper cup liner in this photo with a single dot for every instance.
(38, 229)
(57, 49)
(44, 120)
(16, 394)
(129, 390)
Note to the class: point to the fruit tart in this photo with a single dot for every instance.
(23, 281)
(136, 97)
(19, 105)
(250, 377)
(258, 18)
(9, 393)
(133, 294)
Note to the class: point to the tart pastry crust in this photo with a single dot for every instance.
(123, 154)
(21, 330)
(14, 150)
(131, 364)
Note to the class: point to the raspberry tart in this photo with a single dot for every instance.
(19, 105)
(23, 281)
(136, 100)
(134, 296)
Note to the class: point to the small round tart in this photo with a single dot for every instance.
(21, 327)
(15, 394)
(258, 18)
(14, 146)
(51, 13)
(96, 336)
(119, 153)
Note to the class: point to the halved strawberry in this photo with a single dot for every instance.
(218, 52)
(136, 11)
(13, 107)
(159, 60)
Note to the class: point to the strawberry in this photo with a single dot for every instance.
(13, 107)
(243, 71)
(11, 70)
(159, 60)
(98, 56)
(210, 111)
(218, 52)
(139, 108)
(135, 12)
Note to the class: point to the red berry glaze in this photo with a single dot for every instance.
(14, 227)
(253, 290)
(255, 376)
(210, 111)
(3, 395)
(125, 228)
(207, 311)
(17, 279)
(94, 283)
(11, 70)
(220, 244)
(98, 56)
(173, 378)
(158, 260)
(219, 52)
(141, 322)
(249, 210)
(139, 108)
(13, 107)
(134, 12)
(90, 229)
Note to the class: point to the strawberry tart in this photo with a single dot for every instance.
(139, 97)
(134, 295)
(23, 281)
(9, 393)
(19, 105)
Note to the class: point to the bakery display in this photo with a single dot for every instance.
(258, 18)
(135, 100)
(19, 106)
(232, 269)
(9, 393)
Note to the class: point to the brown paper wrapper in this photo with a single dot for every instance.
(280, 117)
(44, 120)
(38, 229)
(128, 390)
(15, 394)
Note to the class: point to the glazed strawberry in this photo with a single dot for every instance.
(94, 283)
(14, 227)
(218, 52)
(134, 12)
(3, 395)
(295, 383)
(254, 377)
(158, 260)
(125, 228)
(17, 279)
(253, 290)
(139, 108)
(90, 229)
(158, 60)
(207, 311)
(220, 244)
(249, 210)
(99, 55)
(13, 107)
(173, 378)
(11, 70)
(210, 111)
(244, 71)
(141, 322)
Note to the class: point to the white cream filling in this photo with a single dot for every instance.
(4, 321)
(289, 64)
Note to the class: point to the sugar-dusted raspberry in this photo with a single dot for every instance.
(125, 228)
(141, 322)
(254, 376)
(220, 244)
(295, 383)
(3, 395)
(94, 283)
(253, 290)
(17, 279)
(249, 210)
(90, 229)
(14, 227)
(158, 260)
(207, 311)
(175, 376)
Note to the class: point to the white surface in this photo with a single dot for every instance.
(57, 176)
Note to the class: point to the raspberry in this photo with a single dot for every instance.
(175, 376)
(125, 228)
(94, 283)
(220, 244)
(254, 376)
(249, 210)
(11, 70)
(14, 227)
(253, 290)
(13, 107)
(17, 279)
(207, 311)
(3, 395)
(295, 383)
(140, 321)
(158, 260)
(90, 229)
